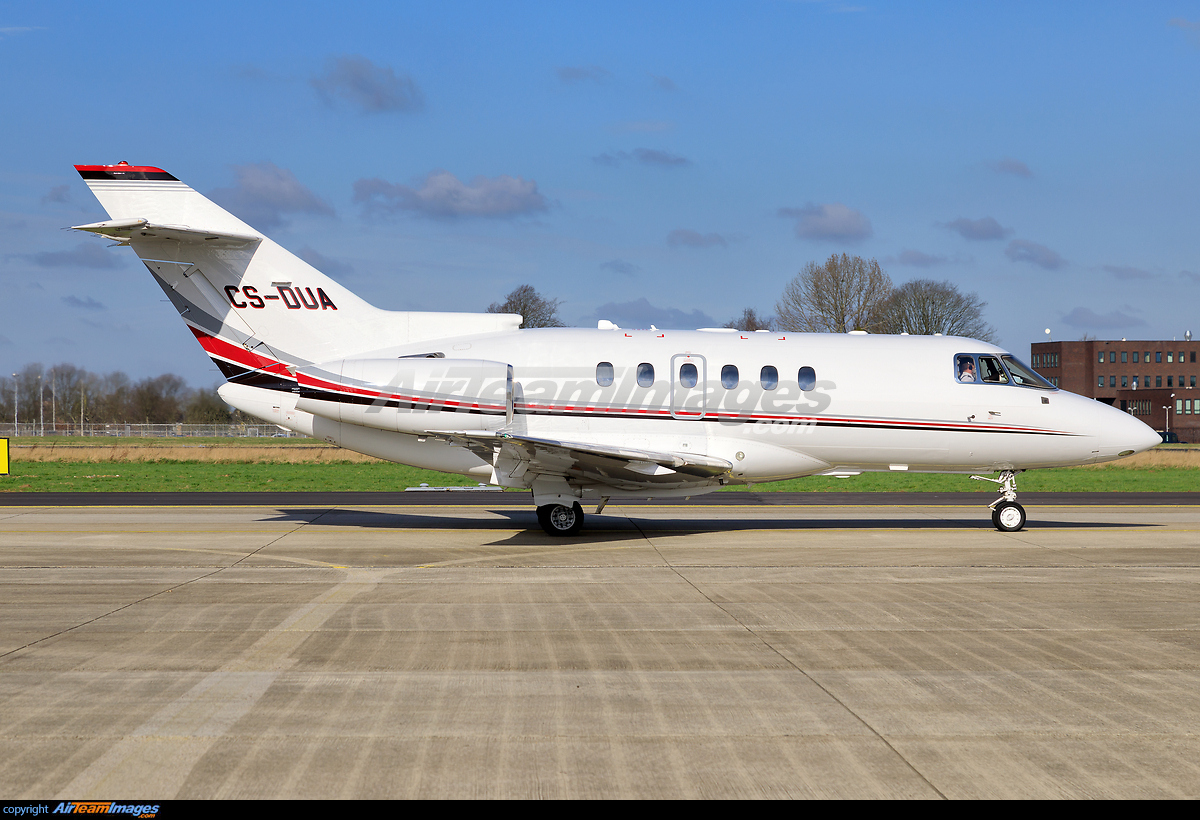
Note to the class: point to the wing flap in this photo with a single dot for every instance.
(125, 231)
(523, 457)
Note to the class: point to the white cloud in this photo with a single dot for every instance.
(978, 229)
(829, 222)
(1008, 165)
(371, 88)
(577, 74)
(683, 237)
(263, 193)
(1021, 250)
(87, 254)
(443, 195)
(1086, 318)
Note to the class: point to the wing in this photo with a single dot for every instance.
(125, 230)
(518, 459)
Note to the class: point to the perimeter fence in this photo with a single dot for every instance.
(147, 430)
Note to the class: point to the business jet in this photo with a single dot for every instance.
(576, 415)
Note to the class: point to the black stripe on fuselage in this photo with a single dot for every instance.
(253, 378)
(128, 175)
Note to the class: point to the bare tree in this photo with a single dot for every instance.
(750, 320)
(924, 307)
(841, 295)
(535, 310)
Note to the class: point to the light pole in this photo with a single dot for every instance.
(41, 405)
(15, 428)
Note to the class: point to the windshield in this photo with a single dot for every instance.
(1024, 376)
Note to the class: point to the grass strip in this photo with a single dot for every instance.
(197, 476)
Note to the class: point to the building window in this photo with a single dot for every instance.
(1124, 381)
(1135, 357)
(1170, 356)
(1158, 357)
(1124, 357)
(1193, 357)
(1112, 381)
(1099, 381)
(1193, 382)
(1158, 381)
(1135, 382)
(1169, 380)
(1147, 359)
(1112, 357)
(1100, 358)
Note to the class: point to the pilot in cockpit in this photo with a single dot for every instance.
(966, 369)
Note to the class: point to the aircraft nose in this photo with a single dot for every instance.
(1131, 436)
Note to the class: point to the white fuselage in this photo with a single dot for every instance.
(874, 403)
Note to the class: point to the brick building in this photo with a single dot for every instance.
(1155, 381)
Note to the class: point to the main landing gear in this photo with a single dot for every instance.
(559, 519)
(1007, 514)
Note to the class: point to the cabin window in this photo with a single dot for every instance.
(768, 378)
(645, 374)
(729, 376)
(688, 374)
(604, 374)
(807, 378)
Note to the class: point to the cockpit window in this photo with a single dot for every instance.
(964, 368)
(1024, 376)
(990, 370)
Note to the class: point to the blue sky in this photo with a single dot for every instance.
(643, 162)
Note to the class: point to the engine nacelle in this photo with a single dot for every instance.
(409, 395)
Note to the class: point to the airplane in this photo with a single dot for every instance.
(583, 414)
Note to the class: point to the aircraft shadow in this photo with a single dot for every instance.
(607, 528)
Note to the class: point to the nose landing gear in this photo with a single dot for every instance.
(1007, 514)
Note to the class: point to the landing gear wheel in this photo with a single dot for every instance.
(1009, 516)
(559, 519)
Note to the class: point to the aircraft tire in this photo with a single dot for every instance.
(560, 520)
(1009, 516)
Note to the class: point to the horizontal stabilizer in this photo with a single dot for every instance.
(125, 231)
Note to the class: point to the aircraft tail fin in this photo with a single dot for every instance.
(257, 309)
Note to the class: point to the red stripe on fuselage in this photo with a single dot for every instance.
(239, 355)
